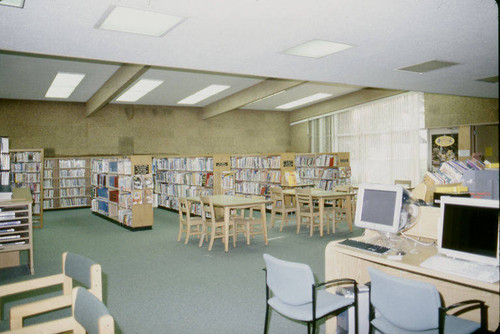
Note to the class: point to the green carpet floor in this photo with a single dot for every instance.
(154, 284)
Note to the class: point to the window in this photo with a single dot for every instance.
(386, 139)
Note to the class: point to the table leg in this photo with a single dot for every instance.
(348, 200)
(264, 223)
(227, 213)
(321, 213)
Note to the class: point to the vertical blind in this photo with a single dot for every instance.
(387, 139)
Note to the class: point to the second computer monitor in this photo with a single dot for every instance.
(379, 207)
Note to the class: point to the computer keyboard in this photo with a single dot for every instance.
(464, 268)
(377, 249)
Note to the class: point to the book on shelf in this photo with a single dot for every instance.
(137, 197)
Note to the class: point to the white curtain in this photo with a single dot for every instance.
(386, 139)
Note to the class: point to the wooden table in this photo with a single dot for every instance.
(343, 261)
(327, 195)
(229, 203)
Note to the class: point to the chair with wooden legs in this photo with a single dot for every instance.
(307, 210)
(74, 267)
(249, 225)
(337, 213)
(212, 225)
(89, 315)
(187, 224)
(280, 206)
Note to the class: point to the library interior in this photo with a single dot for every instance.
(240, 167)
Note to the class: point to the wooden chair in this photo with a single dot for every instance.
(212, 224)
(280, 206)
(405, 183)
(187, 224)
(89, 315)
(249, 225)
(337, 212)
(306, 209)
(74, 267)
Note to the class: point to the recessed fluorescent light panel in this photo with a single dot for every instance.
(12, 3)
(316, 48)
(141, 88)
(428, 66)
(139, 21)
(64, 84)
(203, 94)
(305, 100)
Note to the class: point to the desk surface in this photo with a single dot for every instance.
(232, 201)
(343, 261)
(411, 262)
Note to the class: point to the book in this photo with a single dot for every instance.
(137, 197)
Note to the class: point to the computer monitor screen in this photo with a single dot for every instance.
(379, 207)
(469, 229)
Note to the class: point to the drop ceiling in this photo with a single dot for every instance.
(242, 43)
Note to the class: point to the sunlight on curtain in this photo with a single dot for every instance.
(386, 139)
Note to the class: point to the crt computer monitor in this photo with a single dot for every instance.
(469, 229)
(379, 207)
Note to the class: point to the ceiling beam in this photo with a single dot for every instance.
(251, 94)
(116, 84)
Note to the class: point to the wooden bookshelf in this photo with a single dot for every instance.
(325, 170)
(122, 190)
(255, 174)
(16, 233)
(4, 161)
(66, 183)
(182, 176)
(26, 170)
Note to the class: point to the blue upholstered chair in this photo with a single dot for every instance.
(296, 296)
(89, 315)
(400, 305)
(74, 268)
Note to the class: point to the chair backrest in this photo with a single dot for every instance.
(85, 271)
(276, 196)
(408, 304)
(404, 183)
(343, 189)
(207, 208)
(291, 282)
(184, 209)
(91, 313)
(304, 198)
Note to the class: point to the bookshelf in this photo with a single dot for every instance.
(255, 174)
(4, 161)
(182, 176)
(66, 183)
(122, 190)
(26, 170)
(15, 233)
(325, 170)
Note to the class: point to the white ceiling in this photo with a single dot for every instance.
(240, 43)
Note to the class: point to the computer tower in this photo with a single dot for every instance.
(345, 320)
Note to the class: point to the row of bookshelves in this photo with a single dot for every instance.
(49, 203)
(204, 179)
(112, 166)
(190, 164)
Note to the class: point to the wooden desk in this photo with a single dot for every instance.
(341, 261)
(228, 203)
(326, 195)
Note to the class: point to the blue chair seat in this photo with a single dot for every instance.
(325, 302)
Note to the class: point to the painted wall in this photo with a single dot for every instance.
(451, 111)
(63, 130)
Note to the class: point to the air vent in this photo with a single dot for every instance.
(490, 79)
(427, 66)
